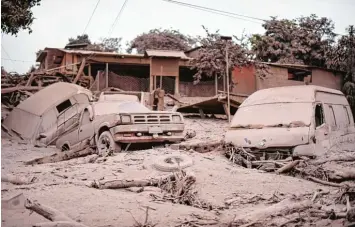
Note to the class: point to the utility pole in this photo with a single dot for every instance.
(351, 56)
(226, 39)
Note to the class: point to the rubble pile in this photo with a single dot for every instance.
(16, 88)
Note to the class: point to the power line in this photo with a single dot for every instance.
(9, 59)
(92, 14)
(228, 14)
(225, 13)
(117, 17)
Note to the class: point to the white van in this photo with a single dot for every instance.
(293, 120)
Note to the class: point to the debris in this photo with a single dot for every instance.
(59, 224)
(63, 156)
(201, 147)
(18, 180)
(16, 202)
(146, 223)
(47, 212)
(286, 206)
(350, 211)
(324, 182)
(288, 167)
(119, 184)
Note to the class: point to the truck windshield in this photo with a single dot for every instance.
(113, 107)
(273, 115)
(132, 107)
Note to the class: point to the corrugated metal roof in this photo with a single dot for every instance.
(166, 54)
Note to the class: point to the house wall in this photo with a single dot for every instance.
(202, 89)
(326, 79)
(278, 77)
(165, 67)
(243, 80)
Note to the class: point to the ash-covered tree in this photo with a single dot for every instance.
(108, 45)
(17, 15)
(342, 57)
(211, 59)
(167, 39)
(105, 44)
(79, 40)
(304, 40)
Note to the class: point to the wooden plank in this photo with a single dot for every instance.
(29, 81)
(22, 88)
(81, 69)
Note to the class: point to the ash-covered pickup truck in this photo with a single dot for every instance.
(113, 123)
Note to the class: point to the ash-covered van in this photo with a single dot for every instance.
(293, 120)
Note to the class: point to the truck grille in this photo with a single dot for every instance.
(151, 119)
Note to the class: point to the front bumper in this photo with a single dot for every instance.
(144, 128)
(147, 139)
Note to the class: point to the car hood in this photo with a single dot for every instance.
(268, 137)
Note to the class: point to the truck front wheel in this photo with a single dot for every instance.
(106, 144)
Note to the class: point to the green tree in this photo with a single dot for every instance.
(17, 15)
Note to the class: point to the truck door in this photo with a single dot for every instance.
(86, 127)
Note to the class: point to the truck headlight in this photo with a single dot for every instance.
(125, 119)
(176, 118)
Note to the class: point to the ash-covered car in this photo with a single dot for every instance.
(113, 123)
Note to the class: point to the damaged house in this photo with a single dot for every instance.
(169, 70)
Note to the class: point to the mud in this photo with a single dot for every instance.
(231, 189)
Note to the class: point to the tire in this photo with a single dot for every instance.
(172, 163)
(106, 144)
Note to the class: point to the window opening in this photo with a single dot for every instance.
(332, 110)
(319, 115)
(64, 105)
(347, 114)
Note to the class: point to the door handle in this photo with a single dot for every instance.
(80, 130)
(325, 133)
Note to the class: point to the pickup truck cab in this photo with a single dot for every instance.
(113, 123)
(293, 120)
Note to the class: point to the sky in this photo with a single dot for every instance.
(56, 21)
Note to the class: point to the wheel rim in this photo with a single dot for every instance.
(104, 145)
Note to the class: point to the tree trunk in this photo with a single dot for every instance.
(17, 179)
(63, 156)
(118, 184)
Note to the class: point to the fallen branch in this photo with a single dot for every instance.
(286, 206)
(59, 224)
(17, 179)
(47, 212)
(288, 167)
(118, 184)
(348, 174)
(324, 182)
(52, 215)
(63, 156)
(343, 158)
